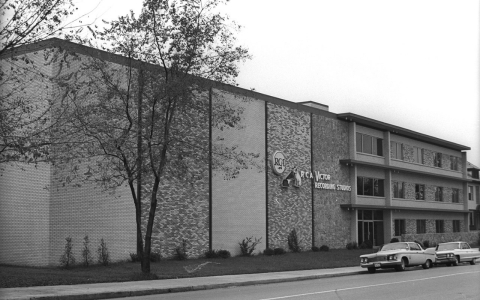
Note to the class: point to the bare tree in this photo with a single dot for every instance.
(139, 121)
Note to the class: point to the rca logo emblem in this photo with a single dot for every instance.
(278, 162)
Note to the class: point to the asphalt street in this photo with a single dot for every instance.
(449, 283)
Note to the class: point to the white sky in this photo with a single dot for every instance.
(410, 63)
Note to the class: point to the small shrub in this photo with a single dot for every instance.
(279, 251)
(426, 244)
(352, 246)
(134, 257)
(181, 252)
(247, 246)
(103, 253)
(67, 259)
(366, 245)
(394, 240)
(293, 241)
(155, 256)
(86, 253)
(315, 249)
(324, 248)
(433, 244)
(211, 254)
(224, 254)
(268, 252)
(418, 242)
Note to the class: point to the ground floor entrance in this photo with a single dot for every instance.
(370, 227)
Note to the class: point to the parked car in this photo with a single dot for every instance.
(398, 256)
(454, 253)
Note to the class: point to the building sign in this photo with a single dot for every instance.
(295, 176)
(278, 162)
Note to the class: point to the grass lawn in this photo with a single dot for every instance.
(13, 276)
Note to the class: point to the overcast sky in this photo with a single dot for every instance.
(413, 64)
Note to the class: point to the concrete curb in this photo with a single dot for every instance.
(85, 295)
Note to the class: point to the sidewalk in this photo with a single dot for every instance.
(141, 288)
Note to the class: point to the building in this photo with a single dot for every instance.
(334, 178)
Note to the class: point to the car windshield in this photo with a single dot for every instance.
(395, 246)
(447, 247)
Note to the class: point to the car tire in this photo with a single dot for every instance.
(456, 262)
(427, 264)
(402, 266)
(372, 270)
(473, 262)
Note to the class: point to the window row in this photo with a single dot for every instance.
(399, 192)
(472, 195)
(421, 226)
(367, 186)
(397, 152)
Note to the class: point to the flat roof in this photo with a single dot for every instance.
(351, 117)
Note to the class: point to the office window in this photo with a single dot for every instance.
(369, 144)
(370, 187)
(398, 189)
(470, 192)
(439, 194)
(397, 150)
(418, 155)
(454, 163)
(399, 227)
(439, 226)
(421, 226)
(456, 225)
(419, 192)
(455, 195)
(471, 220)
(437, 159)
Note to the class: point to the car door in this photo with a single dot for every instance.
(416, 254)
(466, 251)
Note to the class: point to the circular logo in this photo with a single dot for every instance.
(278, 162)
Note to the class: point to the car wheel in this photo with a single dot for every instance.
(455, 263)
(427, 264)
(401, 267)
(473, 262)
(372, 270)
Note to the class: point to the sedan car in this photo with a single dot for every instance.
(454, 253)
(398, 256)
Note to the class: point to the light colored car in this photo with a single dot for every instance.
(454, 253)
(398, 256)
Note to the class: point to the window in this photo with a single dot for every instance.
(398, 189)
(399, 227)
(456, 225)
(439, 194)
(477, 192)
(471, 220)
(439, 226)
(397, 150)
(370, 187)
(455, 195)
(470, 192)
(454, 163)
(418, 155)
(419, 192)
(437, 159)
(421, 226)
(369, 144)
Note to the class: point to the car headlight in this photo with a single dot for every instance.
(391, 257)
(363, 260)
(450, 254)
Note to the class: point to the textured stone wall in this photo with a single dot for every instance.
(469, 237)
(288, 130)
(330, 144)
(429, 192)
(410, 226)
(428, 156)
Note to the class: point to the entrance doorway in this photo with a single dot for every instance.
(370, 227)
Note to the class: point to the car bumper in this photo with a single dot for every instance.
(447, 260)
(381, 264)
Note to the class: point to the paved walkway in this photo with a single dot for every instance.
(139, 288)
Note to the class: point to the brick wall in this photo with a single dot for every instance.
(330, 144)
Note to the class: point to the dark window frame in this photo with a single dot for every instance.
(397, 150)
(368, 186)
(455, 195)
(419, 191)
(439, 194)
(437, 159)
(400, 227)
(456, 226)
(421, 226)
(397, 191)
(439, 226)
